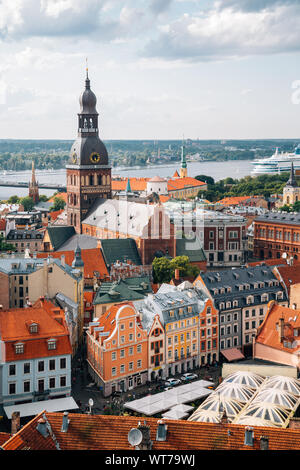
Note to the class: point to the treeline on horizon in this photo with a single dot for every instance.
(262, 185)
(17, 155)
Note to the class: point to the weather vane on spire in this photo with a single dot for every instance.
(87, 67)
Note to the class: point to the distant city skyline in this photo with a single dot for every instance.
(225, 69)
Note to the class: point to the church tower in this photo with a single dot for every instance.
(33, 186)
(291, 191)
(183, 168)
(88, 169)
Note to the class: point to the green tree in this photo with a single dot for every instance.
(204, 178)
(162, 270)
(43, 198)
(13, 199)
(58, 204)
(28, 203)
(6, 246)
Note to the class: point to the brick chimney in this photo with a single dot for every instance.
(281, 329)
(15, 422)
(177, 274)
(146, 443)
(264, 443)
(294, 423)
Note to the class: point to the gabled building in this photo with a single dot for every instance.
(35, 354)
(278, 337)
(241, 296)
(22, 240)
(117, 350)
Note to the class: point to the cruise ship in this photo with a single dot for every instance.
(277, 163)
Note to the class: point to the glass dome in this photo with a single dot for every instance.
(245, 378)
(220, 403)
(234, 390)
(251, 421)
(266, 411)
(286, 384)
(277, 397)
(205, 416)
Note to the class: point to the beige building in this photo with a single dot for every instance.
(54, 276)
(291, 191)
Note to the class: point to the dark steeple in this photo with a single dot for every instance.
(292, 180)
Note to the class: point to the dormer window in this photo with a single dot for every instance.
(33, 328)
(51, 343)
(19, 348)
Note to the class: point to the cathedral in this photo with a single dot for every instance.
(88, 169)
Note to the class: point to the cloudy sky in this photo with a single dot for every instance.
(224, 69)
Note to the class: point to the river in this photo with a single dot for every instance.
(218, 170)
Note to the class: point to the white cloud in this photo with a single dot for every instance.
(229, 33)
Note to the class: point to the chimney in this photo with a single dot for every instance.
(177, 274)
(65, 422)
(281, 329)
(294, 423)
(161, 433)
(42, 427)
(264, 443)
(224, 418)
(63, 260)
(15, 422)
(146, 443)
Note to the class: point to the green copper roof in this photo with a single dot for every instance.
(190, 248)
(59, 234)
(128, 187)
(134, 288)
(120, 249)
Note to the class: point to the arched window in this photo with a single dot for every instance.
(99, 180)
(87, 180)
(71, 219)
(91, 180)
(75, 220)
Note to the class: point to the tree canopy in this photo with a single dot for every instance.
(164, 268)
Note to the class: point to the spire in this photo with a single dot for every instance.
(87, 80)
(77, 261)
(128, 187)
(183, 168)
(292, 179)
(33, 181)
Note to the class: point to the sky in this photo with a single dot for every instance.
(161, 69)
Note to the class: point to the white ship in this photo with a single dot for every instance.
(277, 163)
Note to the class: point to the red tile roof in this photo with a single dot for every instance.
(107, 432)
(14, 329)
(92, 258)
(290, 275)
(268, 332)
(233, 200)
(2, 224)
(183, 183)
(55, 214)
(269, 262)
(63, 196)
(136, 184)
(4, 436)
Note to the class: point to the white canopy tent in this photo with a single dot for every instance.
(153, 404)
(36, 407)
(175, 414)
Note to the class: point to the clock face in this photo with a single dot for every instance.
(74, 157)
(95, 157)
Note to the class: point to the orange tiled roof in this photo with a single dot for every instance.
(269, 262)
(183, 183)
(55, 214)
(2, 224)
(176, 174)
(110, 433)
(268, 333)
(4, 436)
(136, 184)
(234, 200)
(13, 329)
(63, 196)
(163, 198)
(92, 258)
(290, 274)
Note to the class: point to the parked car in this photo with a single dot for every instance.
(172, 382)
(188, 376)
